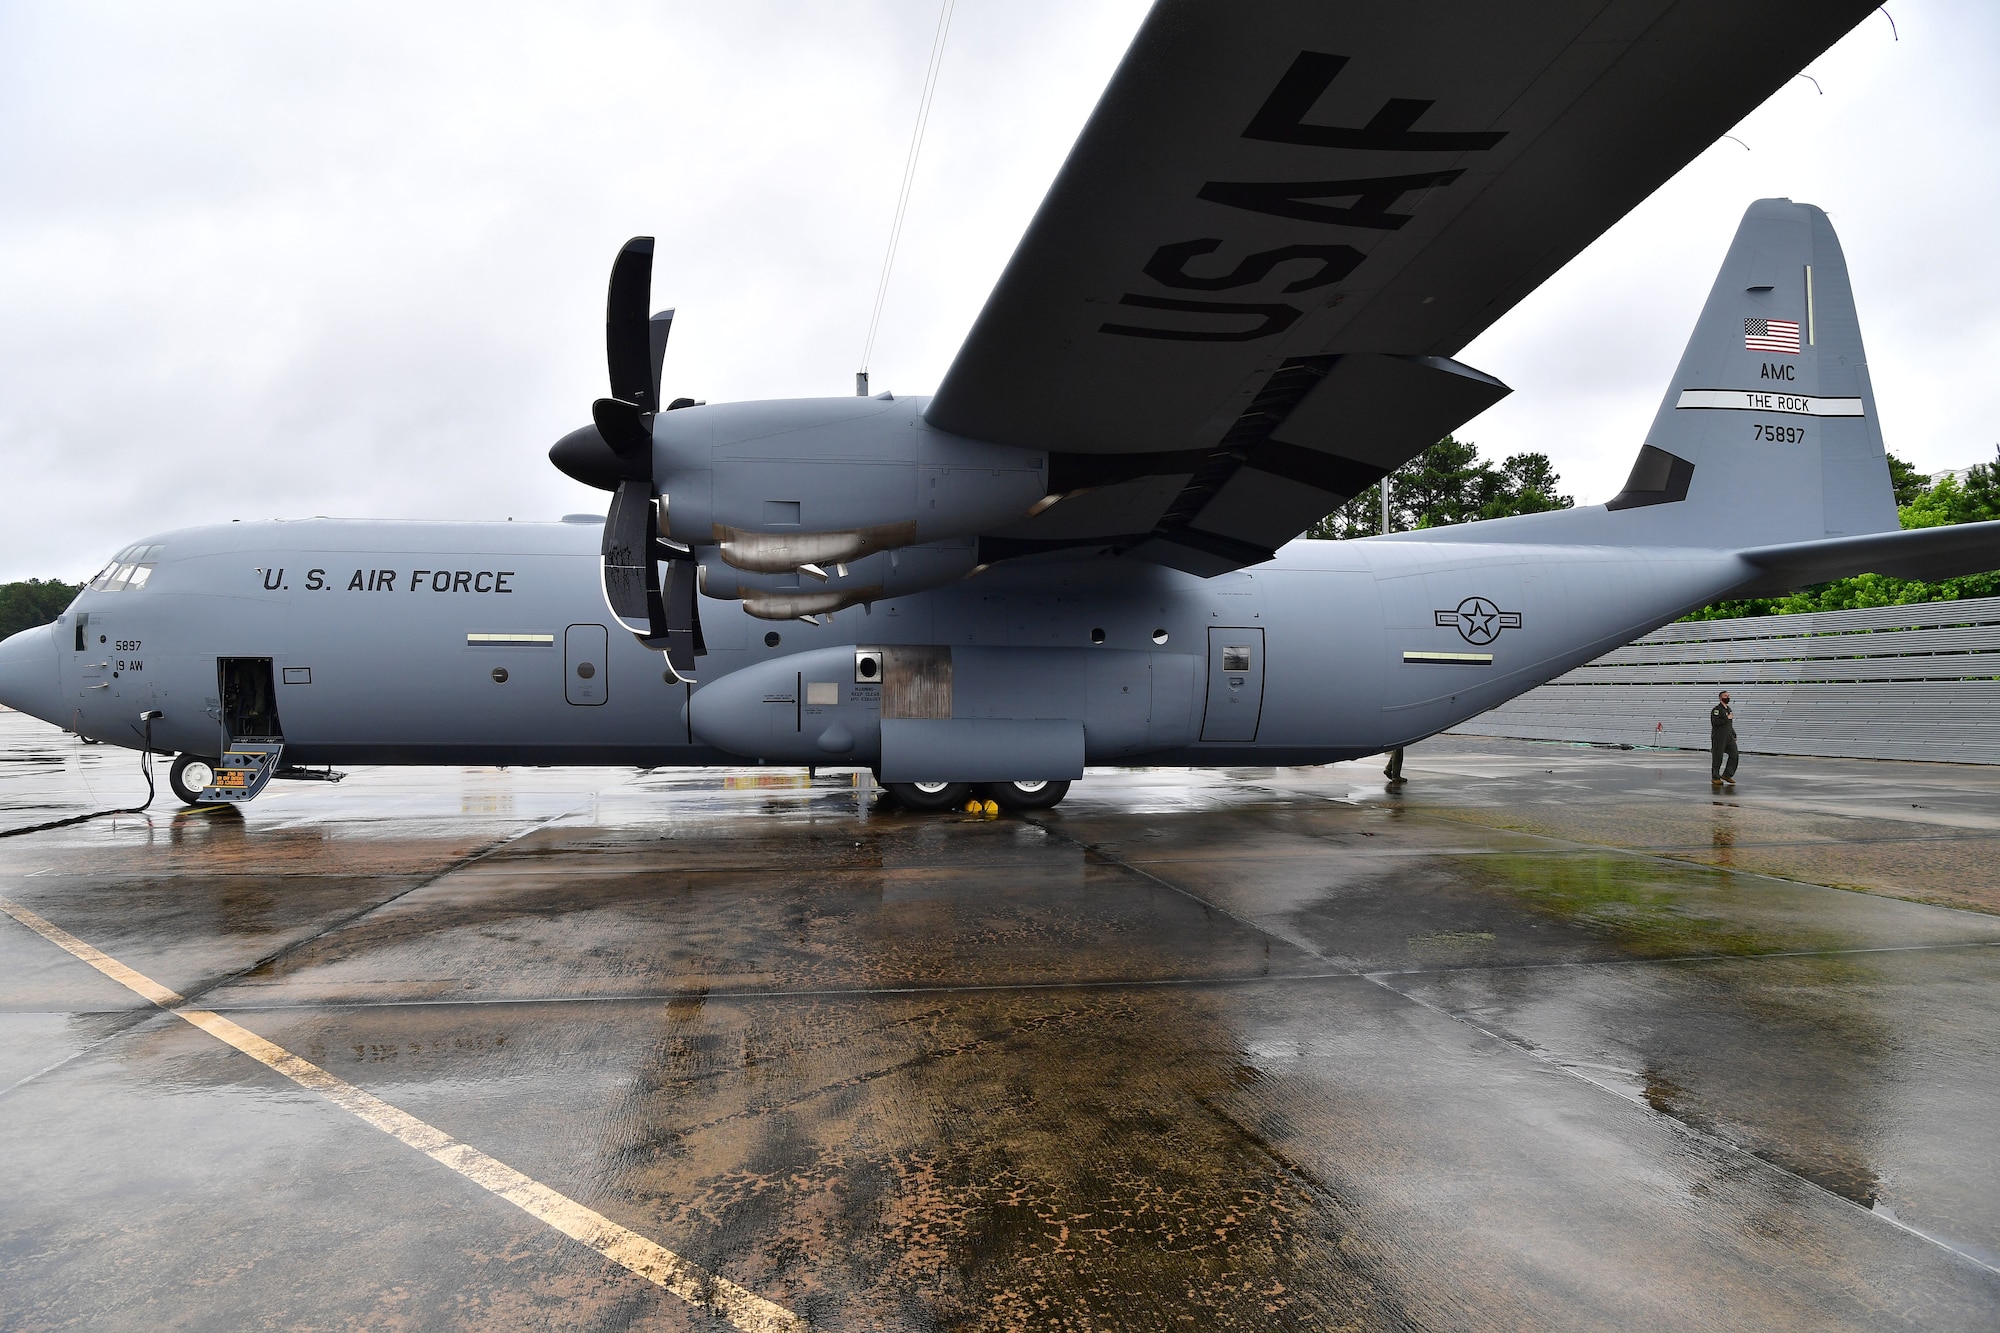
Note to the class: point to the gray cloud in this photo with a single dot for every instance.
(262, 261)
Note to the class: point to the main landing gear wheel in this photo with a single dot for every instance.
(929, 795)
(1027, 795)
(189, 775)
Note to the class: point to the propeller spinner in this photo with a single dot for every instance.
(615, 453)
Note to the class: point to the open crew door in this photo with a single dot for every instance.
(252, 740)
(1235, 684)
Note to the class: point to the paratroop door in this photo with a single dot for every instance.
(1235, 684)
(584, 656)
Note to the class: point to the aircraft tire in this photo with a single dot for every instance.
(177, 778)
(1027, 795)
(929, 795)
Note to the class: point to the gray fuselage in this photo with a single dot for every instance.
(387, 641)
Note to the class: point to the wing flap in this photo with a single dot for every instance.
(1382, 411)
(1265, 510)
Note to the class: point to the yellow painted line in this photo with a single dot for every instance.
(656, 1263)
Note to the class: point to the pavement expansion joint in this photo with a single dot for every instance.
(1714, 1141)
(142, 1020)
(1679, 960)
(804, 993)
(740, 1307)
(278, 955)
(1108, 858)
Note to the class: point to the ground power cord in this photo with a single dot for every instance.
(145, 766)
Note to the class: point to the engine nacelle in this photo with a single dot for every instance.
(821, 481)
(835, 587)
(954, 713)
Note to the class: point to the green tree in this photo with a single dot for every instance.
(1532, 487)
(1359, 517)
(25, 605)
(1449, 483)
(1907, 481)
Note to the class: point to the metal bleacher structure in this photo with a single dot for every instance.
(1886, 682)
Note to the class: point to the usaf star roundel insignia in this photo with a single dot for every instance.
(1479, 620)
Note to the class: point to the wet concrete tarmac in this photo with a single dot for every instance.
(1552, 1037)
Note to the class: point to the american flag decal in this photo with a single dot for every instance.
(1771, 335)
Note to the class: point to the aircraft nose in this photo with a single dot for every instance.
(30, 679)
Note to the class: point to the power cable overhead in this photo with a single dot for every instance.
(909, 178)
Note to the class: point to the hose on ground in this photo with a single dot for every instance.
(145, 766)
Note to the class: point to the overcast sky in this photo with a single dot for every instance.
(264, 261)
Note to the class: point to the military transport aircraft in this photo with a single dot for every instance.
(1235, 310)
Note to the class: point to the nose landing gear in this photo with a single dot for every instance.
(188, 777)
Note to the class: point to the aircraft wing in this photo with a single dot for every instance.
(1237, 305)
(1929, 554)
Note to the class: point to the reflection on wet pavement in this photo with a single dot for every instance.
(1550, 1038)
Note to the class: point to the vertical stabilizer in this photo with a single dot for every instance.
(1768, 430)
(1767, 433)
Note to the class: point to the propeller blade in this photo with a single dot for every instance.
(625, 428)
(683, 619)
(628, 345)
(657, 328)
(631, 579)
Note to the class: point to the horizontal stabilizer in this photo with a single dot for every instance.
(1929, 554)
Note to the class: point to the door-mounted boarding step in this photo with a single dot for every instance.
(244, 770)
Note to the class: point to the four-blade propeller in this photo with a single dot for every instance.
(615, 453)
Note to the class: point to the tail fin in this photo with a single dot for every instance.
(1768, 433)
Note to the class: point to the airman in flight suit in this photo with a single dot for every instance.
(1722, 741)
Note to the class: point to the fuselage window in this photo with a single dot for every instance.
(1236, 658)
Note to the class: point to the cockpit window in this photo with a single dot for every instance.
(130, 568)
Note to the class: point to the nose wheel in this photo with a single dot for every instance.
(190, 776)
